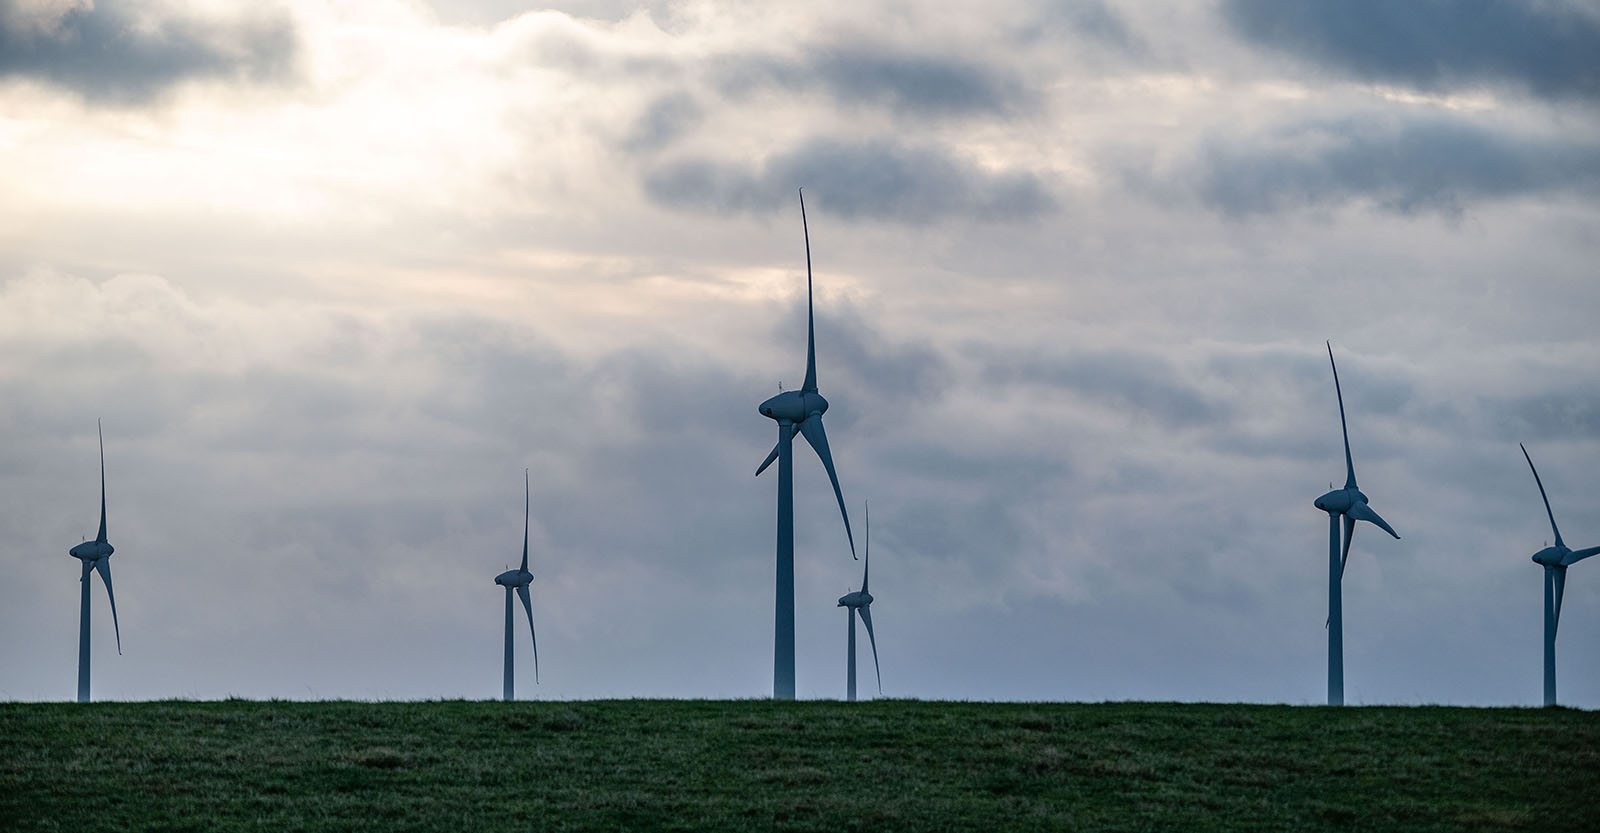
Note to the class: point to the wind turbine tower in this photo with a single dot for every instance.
(796, 412)
(860, 602)
(1350, 504)
(1555, 561)
(518, 580)
(96, 557)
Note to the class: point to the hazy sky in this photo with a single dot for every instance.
(334, 273)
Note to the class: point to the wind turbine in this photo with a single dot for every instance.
(1555, 559)
(796, 412)
(96, 556)
(1350, 503)
(518, 580)
(861, 602)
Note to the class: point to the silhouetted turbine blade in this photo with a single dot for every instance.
(774, 455)
(1349, 465)
(812, 428)
(1579, 555)
(102, 536)
(527, 605)
(527, 508)
(1549, 595)
(104, 566)
(1542, 495)
(1363, 512)
(1349, 532)
(866, 564)
(1561, 588)
(811, 332)
(866, 619)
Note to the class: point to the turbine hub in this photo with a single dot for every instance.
(1551, 556)
(92, 550)
(514, 578)
(794, 406)
(1338, 501)
(856, 599)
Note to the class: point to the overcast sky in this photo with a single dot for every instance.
(334, 273)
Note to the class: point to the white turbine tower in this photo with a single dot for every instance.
(96, 557)
(796, 412)
(861, 602)
(518, 580)
(1555, 560)
(1350, 503)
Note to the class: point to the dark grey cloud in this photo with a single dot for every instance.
(1139, 383)
(124, 52)
(878, 76)
(880, 179)
(1090, 20)
(662, 123)
(1437, 165)
(1550, 48)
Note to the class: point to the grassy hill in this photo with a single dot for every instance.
(759, 765)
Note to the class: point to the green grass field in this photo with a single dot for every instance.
(759, 765)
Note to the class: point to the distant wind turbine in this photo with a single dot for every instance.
(796, 412)
(861, 602)
(1350, 503)
(96, 556)
(1555, 559)
(518, 580)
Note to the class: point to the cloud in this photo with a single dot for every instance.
(1550, 48)
(878, 179)
(1137, 383)
(1436, 165)
(864, 74)
(1090, 19)
(666, 120)
(130, 53)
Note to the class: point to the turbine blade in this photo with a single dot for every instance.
(527, 505)
(1349, 465)
(527, 605)
(1543, 495)
(866, 618)
(811, 331)
(1349, 532)
(104, 566)
(866, 565)
(102, 536)
(812, 428)
(1561, 588)
(1362, 512)
(1549, 596)
(1579, 555)
(774, 455)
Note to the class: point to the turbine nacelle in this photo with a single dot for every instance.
(1552, 556)
(514, 578)
(1339, 501)
(860, 598)
(794, 406)
(92, 550)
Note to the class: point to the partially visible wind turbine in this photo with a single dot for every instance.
(861, 602)
(1350, 503)
(796, 412)
(518, 580)
(1555, 559)
(96, 556)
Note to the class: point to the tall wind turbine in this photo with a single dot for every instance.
(1350, 503)
(1555, 559)
(861, 602)
(96, 557)
(518, 580)
(796, 412)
